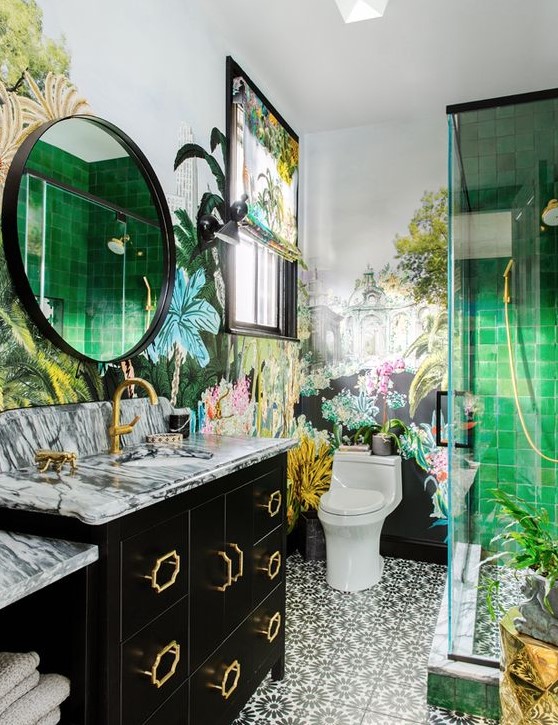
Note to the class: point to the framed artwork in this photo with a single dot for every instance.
(263, 167)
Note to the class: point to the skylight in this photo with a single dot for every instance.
(355, 10)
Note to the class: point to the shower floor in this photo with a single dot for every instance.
(486, 640)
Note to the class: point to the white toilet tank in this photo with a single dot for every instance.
(372, 473)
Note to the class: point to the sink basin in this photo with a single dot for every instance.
(156, 456)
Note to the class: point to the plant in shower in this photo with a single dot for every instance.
(529, 544)
(528, 539)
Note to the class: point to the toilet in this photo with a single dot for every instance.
(364, 490)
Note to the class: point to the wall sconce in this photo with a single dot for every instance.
(210, 228)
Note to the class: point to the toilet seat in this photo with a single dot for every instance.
(351, 501)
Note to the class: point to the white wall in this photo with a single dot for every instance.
(361, 187)
(145, 66)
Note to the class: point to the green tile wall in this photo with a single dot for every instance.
(465, 696)
(94, 317)
(510, 163)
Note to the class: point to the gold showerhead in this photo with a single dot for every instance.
(507, 273)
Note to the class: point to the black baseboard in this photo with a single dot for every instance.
(430, 551)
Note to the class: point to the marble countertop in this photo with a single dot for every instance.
(105, 487)
(29, 563)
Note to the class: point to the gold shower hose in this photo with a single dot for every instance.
(507, 300)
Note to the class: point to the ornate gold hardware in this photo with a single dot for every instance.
(228, 562)
(171, 558)
(273, 565)
(56, 459)
(116, 430)
(276, 499)
(172, 648)
(240, 553)
(232, 668)
(274, 627)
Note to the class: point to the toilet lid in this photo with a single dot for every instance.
(351, 501)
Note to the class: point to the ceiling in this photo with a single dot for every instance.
(323, 74)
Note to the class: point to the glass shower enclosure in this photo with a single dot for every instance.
(503, 345)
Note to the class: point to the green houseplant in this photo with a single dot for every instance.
(382, 439)
(528, 543)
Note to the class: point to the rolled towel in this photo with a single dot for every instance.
(15, 667)
(52, 718)
(37, 704)
(19, 691)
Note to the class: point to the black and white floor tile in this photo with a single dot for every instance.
(356, 659)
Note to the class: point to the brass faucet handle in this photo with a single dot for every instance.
(132, 423)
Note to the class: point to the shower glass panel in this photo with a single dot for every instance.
(503, 174)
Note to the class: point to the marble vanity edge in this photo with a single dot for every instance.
(30, 563)
(189, 483)
(97, 507)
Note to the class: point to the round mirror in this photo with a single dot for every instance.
(88, 238)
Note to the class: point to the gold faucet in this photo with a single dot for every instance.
(116, 430)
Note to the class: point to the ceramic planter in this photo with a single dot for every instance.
(382, 445)
(536, 620)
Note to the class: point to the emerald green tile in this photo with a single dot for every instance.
(493, 710)
(441, 691)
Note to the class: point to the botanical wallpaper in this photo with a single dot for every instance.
(372, 355)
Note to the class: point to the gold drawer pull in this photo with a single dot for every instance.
(171, 558)
(274, 504)
(172, 648)
(233, 668)
(228, 562)
(240, 553)
(273, 566)
(274, 627)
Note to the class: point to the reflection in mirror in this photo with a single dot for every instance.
(93, 238)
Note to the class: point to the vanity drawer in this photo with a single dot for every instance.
(173, 712)
(154, 663)
(154, 573)
(267, 627)
(221, 680)
(268, 565)
(269, 505)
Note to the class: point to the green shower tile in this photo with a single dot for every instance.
(441, 691)
(506, 457)
(493, 710)
(507, 474)
(504, 144)
(505, 126)
(486, 129)
(505, 111)
(548, 477)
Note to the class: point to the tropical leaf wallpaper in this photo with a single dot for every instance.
(371, 353)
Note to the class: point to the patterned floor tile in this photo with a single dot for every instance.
(330, 714)
(406, 701)
(356, 659)
(378, 718)
(437, 716)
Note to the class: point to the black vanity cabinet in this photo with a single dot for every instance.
(186, 605)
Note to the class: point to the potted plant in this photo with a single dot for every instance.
(382, 439)
(308, 477)
(529, 544)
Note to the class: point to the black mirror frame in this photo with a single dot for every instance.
(12, 251)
